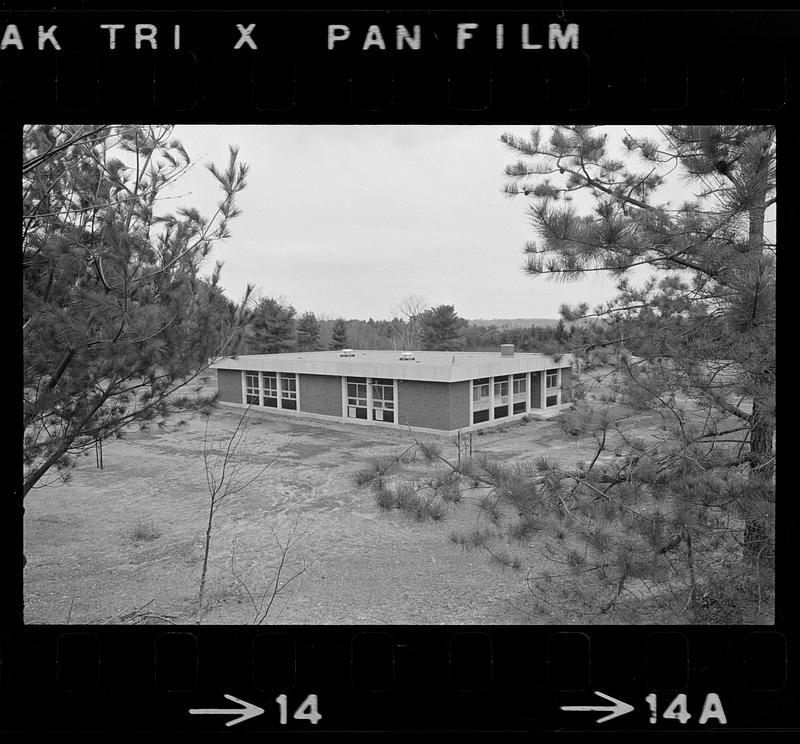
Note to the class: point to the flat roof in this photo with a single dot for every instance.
(432, 366)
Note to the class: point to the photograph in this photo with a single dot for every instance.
(399, 374)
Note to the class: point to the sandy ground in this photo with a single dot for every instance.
(86, 562)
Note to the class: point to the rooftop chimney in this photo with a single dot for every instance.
(506, 350)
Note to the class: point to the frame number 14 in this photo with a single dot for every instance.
(306, 711)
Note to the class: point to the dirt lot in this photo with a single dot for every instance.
(110, 541)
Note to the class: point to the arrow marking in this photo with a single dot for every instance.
(248, 711)
(618, 709)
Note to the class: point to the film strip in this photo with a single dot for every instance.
(433, 68)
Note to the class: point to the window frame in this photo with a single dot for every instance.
(382, 403)
(272, 392)
(289, 392)
(250, 390)
(503, 381)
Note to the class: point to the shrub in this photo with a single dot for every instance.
(459, 538)
(145, 530)
(479, 537)
(436, 510)
(490, 506)
(524, 528)
(505, 559)
(430, 451)
(364, 477)
(450, 492)
(385, 498)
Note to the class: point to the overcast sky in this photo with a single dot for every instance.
(349, 220)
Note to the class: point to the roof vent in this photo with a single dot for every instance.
(347, 353)
(406, 356)
(506, 350)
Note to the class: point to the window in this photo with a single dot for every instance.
(479, 416)
(551, 400)
(270, 382)
(251, 391)
(480, 395)
(383, 400)
(357, 397)
(356, 394)
(501, 389)
(520, 406)
(270, 385)
(520, 384)
(479, 392)
(289, 392)
(500, 412)
(551, 380)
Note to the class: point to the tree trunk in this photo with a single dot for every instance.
(205, 563)
(759, 538)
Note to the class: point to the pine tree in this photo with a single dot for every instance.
(273, 327)
(339, 339)
(114, 309)
(703, 324)
(308, 332)
(442, 329)
(670, 518)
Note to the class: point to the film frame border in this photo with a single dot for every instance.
(296, 80)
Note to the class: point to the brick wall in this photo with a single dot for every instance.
(459, 404)
(229, 384)
(424, 404)
(321, 394)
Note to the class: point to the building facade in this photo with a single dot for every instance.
(438, 391)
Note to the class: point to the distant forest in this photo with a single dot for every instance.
(275, 326)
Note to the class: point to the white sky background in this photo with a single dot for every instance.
(349, 220)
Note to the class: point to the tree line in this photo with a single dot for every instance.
(275, 327)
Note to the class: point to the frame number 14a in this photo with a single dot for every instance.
(678, 709)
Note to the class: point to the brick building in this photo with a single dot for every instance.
(440, 391)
